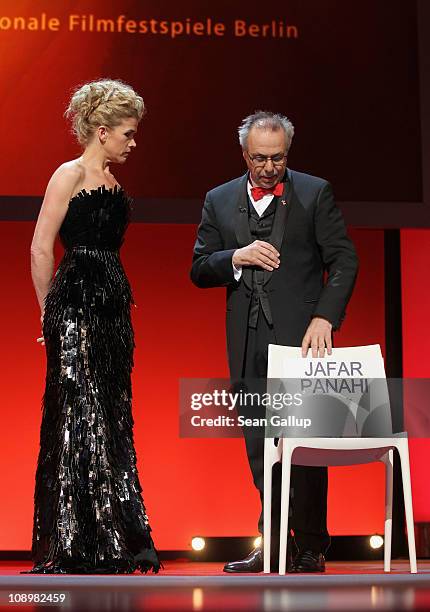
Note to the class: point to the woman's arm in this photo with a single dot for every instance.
(54, 208)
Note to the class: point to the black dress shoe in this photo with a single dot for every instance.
(254, 563)
(308, 561)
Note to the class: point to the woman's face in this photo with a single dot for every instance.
(119, 141)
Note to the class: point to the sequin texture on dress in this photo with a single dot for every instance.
(89, 516)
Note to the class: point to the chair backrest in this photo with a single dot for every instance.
(342, 395)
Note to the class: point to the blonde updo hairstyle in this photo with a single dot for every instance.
(104, 102)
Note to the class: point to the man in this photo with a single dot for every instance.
(269, 237)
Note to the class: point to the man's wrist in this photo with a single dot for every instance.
(237, 268)
(235, 260)
(317, 316)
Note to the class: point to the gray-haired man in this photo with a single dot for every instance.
(268, 237)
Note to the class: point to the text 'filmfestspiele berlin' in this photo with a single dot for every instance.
(122, 24)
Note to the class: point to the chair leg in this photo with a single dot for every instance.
(388, 527)
(287, 451)
(403, 449)
(267, 504)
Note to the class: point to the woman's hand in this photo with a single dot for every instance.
(41, 340)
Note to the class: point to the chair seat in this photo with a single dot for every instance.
(338, 451)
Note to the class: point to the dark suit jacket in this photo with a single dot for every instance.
(310, 235)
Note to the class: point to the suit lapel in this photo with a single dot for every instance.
(241, 224)
(280, 221)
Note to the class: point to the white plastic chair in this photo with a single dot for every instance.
(287, 363)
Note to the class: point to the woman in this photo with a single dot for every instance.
(89, 515)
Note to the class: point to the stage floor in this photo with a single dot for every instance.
(183, 585)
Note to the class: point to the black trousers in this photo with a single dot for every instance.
(308, 491)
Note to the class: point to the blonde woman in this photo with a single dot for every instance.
(89, 515)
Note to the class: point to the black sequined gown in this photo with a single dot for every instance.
(89, 515)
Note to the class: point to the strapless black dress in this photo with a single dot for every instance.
(89, 515)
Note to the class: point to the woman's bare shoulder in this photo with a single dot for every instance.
(66, 177)
(69, 171)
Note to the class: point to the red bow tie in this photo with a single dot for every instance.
(259, 192)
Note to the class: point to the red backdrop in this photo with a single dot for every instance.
(186, 143)
(415, 248)
(190, 486)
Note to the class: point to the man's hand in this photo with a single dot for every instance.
(318, 337)
(258, 253)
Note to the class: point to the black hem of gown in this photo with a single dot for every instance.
(143, 562)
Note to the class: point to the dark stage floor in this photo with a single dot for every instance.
(203, 586)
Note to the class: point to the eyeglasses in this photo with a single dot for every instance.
(261, 160)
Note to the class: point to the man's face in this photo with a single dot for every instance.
(263, 144)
